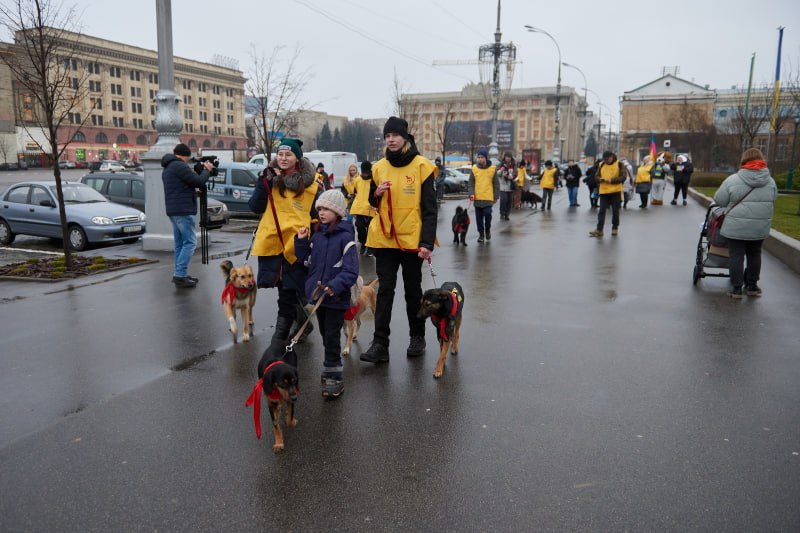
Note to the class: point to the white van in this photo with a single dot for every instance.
(336, 163)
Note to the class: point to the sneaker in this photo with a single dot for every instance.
(192, 278)
(673, 202)
(684, 202)
(331, 387)
(416, 347)
(614, 232)
(377, 353)
(596, 233)
(736, 293)
(184, 282)
(753, 290)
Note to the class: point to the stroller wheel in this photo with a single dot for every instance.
(697, 274)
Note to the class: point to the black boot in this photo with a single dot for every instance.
(302, 315)
(481, 236)
(488, 234)
(282, 325)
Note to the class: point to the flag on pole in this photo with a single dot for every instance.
(777, 97)
(652, 148)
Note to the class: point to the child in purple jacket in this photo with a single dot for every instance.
(333, 265)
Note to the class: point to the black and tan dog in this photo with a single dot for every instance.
(239, 293)
(444, 306)
(279, 383)
(460, 224)
(531, 198)
(367, 299)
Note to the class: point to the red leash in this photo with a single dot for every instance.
(392, 232)
(255, 397)
(442, 322)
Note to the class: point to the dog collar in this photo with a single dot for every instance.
(255, 397)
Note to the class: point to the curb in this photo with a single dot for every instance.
(780, 245)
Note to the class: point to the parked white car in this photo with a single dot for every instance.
(115, 166)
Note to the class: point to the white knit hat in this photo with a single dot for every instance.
(333, 200)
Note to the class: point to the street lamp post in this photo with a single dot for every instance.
(585, 103)
(790, 173)
(557, 133)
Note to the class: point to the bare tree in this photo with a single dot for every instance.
(5, 148)
(404, 107)
(695, 125)
(49, 86)
(445, 125)
(275, 87)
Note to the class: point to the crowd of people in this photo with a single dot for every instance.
(305, 241)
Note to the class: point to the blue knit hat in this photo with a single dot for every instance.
(483, 152)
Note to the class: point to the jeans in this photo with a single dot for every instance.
(547, 198)
(185, 241)
(737, 250)
(614, 201)
(387, 262)
(572, 192)
(483, 218)
(330, 327)
(505, 203)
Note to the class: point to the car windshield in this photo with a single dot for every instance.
(78, 193)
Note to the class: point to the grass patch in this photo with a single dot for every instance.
(784, 219)
(55, 268)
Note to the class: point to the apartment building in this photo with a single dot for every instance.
(118, 110)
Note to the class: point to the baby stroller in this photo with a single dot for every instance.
(712, 248)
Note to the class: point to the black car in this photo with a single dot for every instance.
(127, 188)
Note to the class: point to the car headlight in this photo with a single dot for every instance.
(142, 217)
(102, 221)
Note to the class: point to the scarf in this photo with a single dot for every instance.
(405, 155)
(755, 164)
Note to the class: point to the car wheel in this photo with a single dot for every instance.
(6, 235)
(77, 238)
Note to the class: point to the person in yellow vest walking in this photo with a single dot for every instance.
(284, 196)
(484, 190)
(611, 175)
(643, 181)
(361, 208)
(402, 234)
(348, 188)
(548, 184)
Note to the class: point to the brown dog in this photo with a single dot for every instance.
(239, 293)
(444, 307)
(367, 299)
(278, 383)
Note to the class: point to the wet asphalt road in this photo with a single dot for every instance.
(596, 389)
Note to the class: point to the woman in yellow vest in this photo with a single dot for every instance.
(401, 234)
(611, 175)
(349, 184)
(548, 184)
(516, 198)
(643, 180)
(361, 208)
(284, 196)
(484, 190)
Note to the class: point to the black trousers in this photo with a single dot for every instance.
(738, 250)
(606, 200)
(547, 198)
(362, 225)
(330, 327)
(387, 263)
(681, 187)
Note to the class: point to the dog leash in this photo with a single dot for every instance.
(318, 293)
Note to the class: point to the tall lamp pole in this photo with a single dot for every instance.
(557, 134)
(790, 173)
(585, 103)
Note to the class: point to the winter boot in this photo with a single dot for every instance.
(481, 236)
(302, 315)
(282, 326)
(464, 238)
(488, 234)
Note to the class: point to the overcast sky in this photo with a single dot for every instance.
(353, 47)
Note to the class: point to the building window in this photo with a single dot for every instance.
(217, 117)
(202, 115)
(187, 114)
(202, 87)
(233, 146)
(97, 103)
(115, 72)
(230, 132)
(118, 122)
(190, 128)
(723, 113)
(141, 139)
(101, 138)
(152, 78)
(79, 137)
(94, 86)
(217, 89)
(220, 144)
(206, 144)
(74, 83)
(135, 74)
(230, 119)
(74, 118)
(229, 106)
(122, 139)
(71, 64)
(187, 84)
(217, 104)
(136, 92)
(187, 99)
(136, 107)
(192, 143)
(202, 102)
(203, 129)
(93, 68)
(97, 120)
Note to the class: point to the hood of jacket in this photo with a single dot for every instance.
(169, 158)
(306, 175)
(342, 226)
(755, 178)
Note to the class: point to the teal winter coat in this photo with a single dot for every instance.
(750, 220)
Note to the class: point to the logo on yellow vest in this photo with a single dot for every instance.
(410, 180)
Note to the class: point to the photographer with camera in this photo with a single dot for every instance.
(180, 199)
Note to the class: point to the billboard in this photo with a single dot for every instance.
(469, 136)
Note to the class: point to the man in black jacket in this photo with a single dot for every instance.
(573, 178)
(180, 199)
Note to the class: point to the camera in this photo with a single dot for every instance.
(199, 167)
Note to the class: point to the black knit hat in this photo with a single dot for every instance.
(182, 150)
(396, 125)
(366, 167)
(607, 154)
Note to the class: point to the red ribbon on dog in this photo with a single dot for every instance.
(351, 313)
(229, 292)
(255, 398)
(442, 325)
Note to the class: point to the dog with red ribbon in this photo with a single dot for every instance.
(444, 306)
(239, 293)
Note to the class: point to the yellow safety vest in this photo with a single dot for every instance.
(406, 195)
(521, 175)
(293, 214)
(361, 201)
(643, 173)
(609, 172)
(548, 180)
(484, 182)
